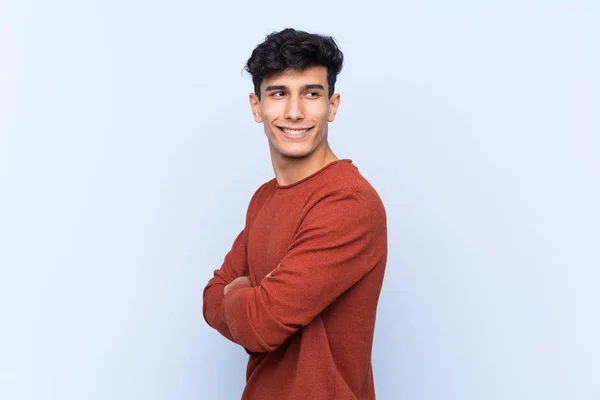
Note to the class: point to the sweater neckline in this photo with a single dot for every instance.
(318, 172)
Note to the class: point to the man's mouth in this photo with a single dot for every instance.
(297, 133)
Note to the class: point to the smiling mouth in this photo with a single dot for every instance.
(294, 132)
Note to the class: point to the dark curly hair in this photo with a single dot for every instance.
(295, 49)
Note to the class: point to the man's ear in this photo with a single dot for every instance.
(255, 107)
(334, 103)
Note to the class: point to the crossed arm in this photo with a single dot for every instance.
(336, 246)
(242, 280)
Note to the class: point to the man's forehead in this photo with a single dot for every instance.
(310, 75)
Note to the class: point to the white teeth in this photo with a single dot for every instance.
(295, 131)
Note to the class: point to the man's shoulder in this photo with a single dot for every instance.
(346, 188)
(263, 191)
(347, 178)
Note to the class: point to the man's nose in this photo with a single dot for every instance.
(294, 109)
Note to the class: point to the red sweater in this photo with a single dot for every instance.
(308, 328)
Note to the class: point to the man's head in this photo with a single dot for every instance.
(294, 75)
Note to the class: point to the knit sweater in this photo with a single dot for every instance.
(308, 327)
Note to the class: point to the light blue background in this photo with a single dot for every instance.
(128, 155)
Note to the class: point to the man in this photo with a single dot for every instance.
(300, 286)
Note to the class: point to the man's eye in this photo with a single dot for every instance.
(278, 94)
(313, 94)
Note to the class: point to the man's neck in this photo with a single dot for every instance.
(291, 170)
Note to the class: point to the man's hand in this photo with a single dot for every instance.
(269, 274)
(242, 280)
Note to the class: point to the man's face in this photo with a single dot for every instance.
(295, 110)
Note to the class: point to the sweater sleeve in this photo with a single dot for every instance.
(339, 241)
(234, 265)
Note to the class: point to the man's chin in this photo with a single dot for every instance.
(295, 155)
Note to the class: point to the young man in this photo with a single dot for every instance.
(300, 286)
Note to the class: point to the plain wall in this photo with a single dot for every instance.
(128, 156)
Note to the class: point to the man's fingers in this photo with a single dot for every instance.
(269, 274)
(240, 280)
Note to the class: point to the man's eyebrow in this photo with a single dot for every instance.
(283, 87)
(275, 87)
